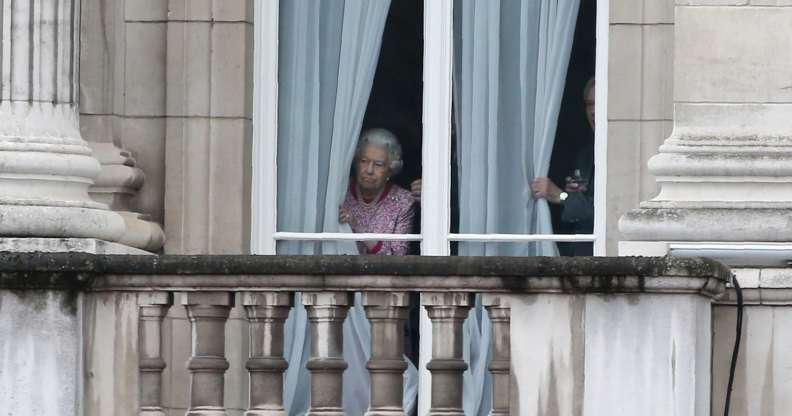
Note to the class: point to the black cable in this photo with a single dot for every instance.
(736, 351)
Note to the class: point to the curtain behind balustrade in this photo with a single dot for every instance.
(510, 64)
(328, 56)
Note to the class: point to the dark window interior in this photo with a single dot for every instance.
(397, 93)
(573, 129)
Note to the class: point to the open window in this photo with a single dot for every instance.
(484, 97)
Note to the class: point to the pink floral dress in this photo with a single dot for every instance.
(392, 213)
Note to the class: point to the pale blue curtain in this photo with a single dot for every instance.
(328, 56)
(557, 20)
(511, 59)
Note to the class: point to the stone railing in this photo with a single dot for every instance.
(566, 332)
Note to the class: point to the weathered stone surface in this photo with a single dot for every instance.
(40, 342)
(762, 378)
(317, 273)
(647, 355)
(63, 245)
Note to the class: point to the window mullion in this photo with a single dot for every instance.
(264, 201)
(601, 129)
(436, 158)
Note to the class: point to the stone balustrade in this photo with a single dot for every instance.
(655, 291)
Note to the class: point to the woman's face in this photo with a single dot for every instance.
(373, 168)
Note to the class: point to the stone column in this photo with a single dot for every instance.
(447, 312)
(267, 312)
(387, 313)
(153, 307)
(208, 313)
(326, 314)
(46, 166)
(726, 171)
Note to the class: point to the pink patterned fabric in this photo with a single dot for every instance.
(392, 213)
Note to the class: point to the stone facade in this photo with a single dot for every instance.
(197, 85)
(164, 90)
(170, 83)
(723, 171)
(640, 102)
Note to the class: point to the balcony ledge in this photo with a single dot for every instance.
(363, 273)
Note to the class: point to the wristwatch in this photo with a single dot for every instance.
(563, 196)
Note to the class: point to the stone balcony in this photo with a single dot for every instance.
(203, 335)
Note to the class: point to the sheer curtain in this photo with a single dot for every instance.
(511, 59)
(328, 56)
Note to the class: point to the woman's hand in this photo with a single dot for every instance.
(343, 216)
(544, 188)
(415, 188)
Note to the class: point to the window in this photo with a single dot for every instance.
(439, 153)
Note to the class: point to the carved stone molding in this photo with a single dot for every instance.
(118, 182)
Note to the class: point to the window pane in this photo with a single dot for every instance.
(523, 148)
(349, 71)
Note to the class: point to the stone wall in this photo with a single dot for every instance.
(640, 102)
(122, 87)
(171, 82)
(209, 109)
(40, 349)
(763, 378)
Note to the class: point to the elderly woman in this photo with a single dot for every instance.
(373, 204)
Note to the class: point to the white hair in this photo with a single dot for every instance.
(385, 139)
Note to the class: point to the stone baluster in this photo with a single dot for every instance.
(326, 314)
(46, 165)
(387, 312)
(208, 313)
(153, 307)
(266, 313)
(447, 311)
(500, 316)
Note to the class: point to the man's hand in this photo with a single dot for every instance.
(545, 188)
(573, 186)
(415, 188)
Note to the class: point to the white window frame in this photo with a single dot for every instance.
(435, 234)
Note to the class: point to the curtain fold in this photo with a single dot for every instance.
(328, 56)
(511, 60)
(510, 64)
(556, 32)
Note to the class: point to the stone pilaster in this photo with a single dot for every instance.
(209, 126)
(725, 171)
(47, 168)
